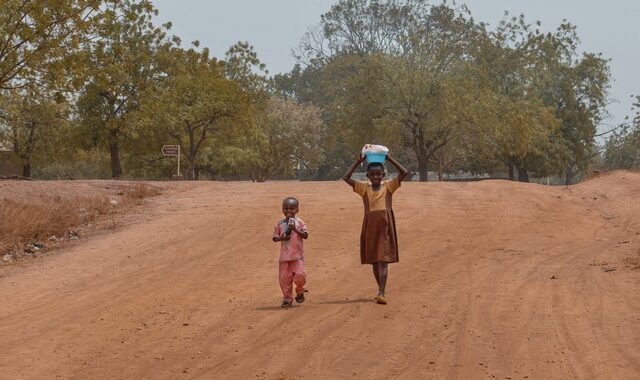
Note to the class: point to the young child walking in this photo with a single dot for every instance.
(290, 232)
(378, 239)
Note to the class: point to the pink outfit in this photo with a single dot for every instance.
(292, 272)
(291, 259)
(291, 249)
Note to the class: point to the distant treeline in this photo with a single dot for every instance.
(94, 89)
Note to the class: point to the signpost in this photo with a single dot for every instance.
(172, 151)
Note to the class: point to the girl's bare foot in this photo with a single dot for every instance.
(380, 299)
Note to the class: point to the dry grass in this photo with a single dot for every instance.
(136, 193)
(24, 221)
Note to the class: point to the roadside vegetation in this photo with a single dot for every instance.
(94, 89)
(29, 226)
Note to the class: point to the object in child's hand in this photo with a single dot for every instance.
(291, 222)
(375, 153)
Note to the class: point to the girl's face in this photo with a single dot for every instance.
(375, 175)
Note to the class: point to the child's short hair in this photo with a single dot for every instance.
(375, 165)
(290, 200)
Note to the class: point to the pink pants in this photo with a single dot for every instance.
(292, 272)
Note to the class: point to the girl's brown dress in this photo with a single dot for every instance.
(378, 239)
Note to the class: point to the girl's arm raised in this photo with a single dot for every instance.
(349, 173)
(402, 172)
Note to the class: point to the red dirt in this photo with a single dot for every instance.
(189, 289)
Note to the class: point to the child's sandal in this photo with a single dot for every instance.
(300, 297)
(286, 304)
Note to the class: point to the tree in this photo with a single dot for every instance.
(290, 138)
(362, 28)
(525, 129)
(195, 103)
(579, 93)
(576, 86)
(412, 50)
(37, 36)
(426, 90)
(29, 121)
(622, 149)
(542, 69)
(120, 66)
(243, 66)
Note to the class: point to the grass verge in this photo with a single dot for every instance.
(54, 218)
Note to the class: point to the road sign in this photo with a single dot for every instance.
(170, 150)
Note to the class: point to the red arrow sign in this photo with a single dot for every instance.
(170, 150)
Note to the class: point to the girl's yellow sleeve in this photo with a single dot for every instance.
(393, 185)
(360, 188)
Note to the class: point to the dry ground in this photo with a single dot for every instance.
(496, 279)
(46, 212)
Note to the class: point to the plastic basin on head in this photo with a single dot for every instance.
(376, 157)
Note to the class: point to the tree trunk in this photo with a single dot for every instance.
(192, 152)
(191, 170)
(510, 167)
(523, 175)
(423, 168)
(28, 150)
(568, 176)
(26, 169)
(114, 152)
(420, 150)
(441, 161)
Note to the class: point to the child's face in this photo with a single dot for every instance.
(375, 175)
(290, 210)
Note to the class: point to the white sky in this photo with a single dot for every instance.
(274, 27)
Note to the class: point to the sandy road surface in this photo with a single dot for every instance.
(189, 289)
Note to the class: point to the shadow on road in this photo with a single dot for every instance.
(272, 308)
(346, 302)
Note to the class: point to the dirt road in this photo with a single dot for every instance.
(496, 280)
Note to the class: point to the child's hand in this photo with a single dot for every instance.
(285, 237)
(360, 158)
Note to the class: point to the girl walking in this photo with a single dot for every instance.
(378, 238)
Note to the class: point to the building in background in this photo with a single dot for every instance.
(9, 162)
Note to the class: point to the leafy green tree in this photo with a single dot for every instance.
(30, 122)
(542, 69)
(524, 126)
(243, 66)
(120, 64)
(195, 105)
(622, 149)
(392, 65)
(364, 27)
(290, 138)
(36, 38)
(577, 87)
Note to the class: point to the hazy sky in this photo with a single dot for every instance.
(274, 27)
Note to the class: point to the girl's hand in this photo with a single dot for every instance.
(360, 158)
